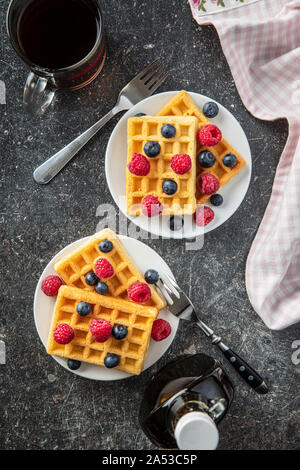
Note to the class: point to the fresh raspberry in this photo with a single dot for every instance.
(151, 206)
(50, 285)
(161, 329)
(100, 329)
(181, 163)
(139, 165)
(203, 216)
(139, 292)
(208, 183)
(63, 333)
(209, 135)
(103, 268)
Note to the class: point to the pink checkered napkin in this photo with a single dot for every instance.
(261, 42)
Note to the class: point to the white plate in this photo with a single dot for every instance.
(145, 258)
(233, 192)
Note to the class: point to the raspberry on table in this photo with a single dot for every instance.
(51, 285)
(151, 206)
(161, 329)
(181, 163)
(103, 268)
(139, 165)
(100, 329)
(203, 215)
(63, 333)
(139, 292)
(208, 183)
(209, 135)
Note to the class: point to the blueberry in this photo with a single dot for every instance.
(210, 109)
(111, 360)
(169, 187)
(229, 160)
(102, 288)
(73, 364)
(206, 159)
(119, 331)
(152, 149)
(139, 115)
(83, 309)
(168, 131)
(216, 199)
(176, 223)
(106, 246)
(91, 279)
(151, 276)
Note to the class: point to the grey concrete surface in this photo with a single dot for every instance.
(44, 406)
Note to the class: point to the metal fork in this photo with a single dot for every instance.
(181, 306)
(139, 88)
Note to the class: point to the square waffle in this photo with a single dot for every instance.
(183, 105)
(148, 128)
(73, 267)
(131, 350)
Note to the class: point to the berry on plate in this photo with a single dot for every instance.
(216, 200)
(151, 206)
(176, 222)
(203, 215)
(181, 163)
(139, 292)
(161, 329)
(101, 287)
(91, 279)
(139, 165)
(152, 149)
(119, 331)
(209, 135)
(63, 333)
(168, 131)
(151, 276)
(50, 285)
(208, 183)
(206, 159)
(111, 360)
(103, 268)
(230, 160)
(210, 109)
(100, 329)
(83, 309)
(73, 364)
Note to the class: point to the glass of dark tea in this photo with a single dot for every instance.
(61, 41)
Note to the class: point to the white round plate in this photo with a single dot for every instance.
(145, 258)
(233, 192)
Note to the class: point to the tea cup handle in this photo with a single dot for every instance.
(37, 94)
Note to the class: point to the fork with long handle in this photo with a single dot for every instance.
(181, 306)
(139, 88)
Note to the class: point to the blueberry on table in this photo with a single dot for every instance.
(168, 131)
(151, 276)
(106, 246)
(73, 364)
(83, 309)
(210, 109)
(91, 279)
(111, 360)
(206, 159)
(119, 331)
(169, 187)
(176, 223)
(230, 160)
(101, 287)
(216, 199)
(152, 149)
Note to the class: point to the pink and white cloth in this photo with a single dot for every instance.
(261, 42)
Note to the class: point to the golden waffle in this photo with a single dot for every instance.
(73, 267)
(131, 351)
(183, 105)
(145, 129)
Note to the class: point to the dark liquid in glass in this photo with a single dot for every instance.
(57, 33)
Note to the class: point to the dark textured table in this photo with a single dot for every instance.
(44, 406)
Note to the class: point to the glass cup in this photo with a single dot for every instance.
(43, 81)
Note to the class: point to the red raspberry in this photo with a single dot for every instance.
(151, 206)
(100, 330)
(203, 216)
(181, 163)
(209, 135)
(139, 292)
(103, 268)
(161, 329)
(50, 285)
(63, 333)
(139, 165)
(208, 183)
